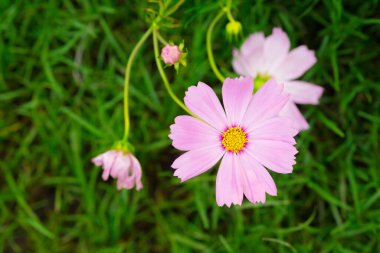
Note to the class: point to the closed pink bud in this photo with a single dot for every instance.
(170, 54)
(123, 167)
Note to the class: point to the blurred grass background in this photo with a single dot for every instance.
(61, 77)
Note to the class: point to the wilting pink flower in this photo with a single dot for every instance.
(125, 167)
(170, 54)
(263, 58)
(247, 134)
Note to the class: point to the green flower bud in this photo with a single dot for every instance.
(233, 29)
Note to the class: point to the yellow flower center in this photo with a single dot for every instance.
(259, 81)
(234, 139)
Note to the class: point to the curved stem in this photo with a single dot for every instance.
(161, 39)
(227, 10)
(126, 80)
(209, 48)
(229, 15)
(163, 75)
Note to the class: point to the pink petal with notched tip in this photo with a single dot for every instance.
(252, 43)
(195, 162)
(229, 188)
(190, 133)
(295, 64)
(203, 102)
(277, 156)
(266, 103)
(237, 94)
(256, 179)
(276, 48)
(303, 92)
(247, 60)
(278, 128)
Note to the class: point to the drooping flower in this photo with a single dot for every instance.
(121, 166)
(247, 135)
(264, 58)
(170, 54)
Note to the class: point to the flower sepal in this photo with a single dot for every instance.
(124, 146)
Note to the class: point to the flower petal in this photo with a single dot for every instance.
(237, 94)
(122, 163)
(275, 155)
(130, 176)
(203, 102)
(106, 160)
(253, 42)
(124, 181)
(247, 61)
(195, 162)
(266, 103)
(136, 167)
(190, 133)
(98, 160)
(278, 129)
(295, 64)
(229, 188)
(291, 111)
(276, 48)
(257, 180)
(303, 92)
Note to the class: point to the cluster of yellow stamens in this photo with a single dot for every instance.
(260, 80)
(234, 139)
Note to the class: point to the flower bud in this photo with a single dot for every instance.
(233, 28)
(170, 54)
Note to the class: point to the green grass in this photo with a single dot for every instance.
(61, 76)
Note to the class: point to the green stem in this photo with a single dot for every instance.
(161, 39)
(126, 81)
(209, 47)
(229, 15)
(163, 75)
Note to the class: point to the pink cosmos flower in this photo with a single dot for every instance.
(125, 167)
(170, 54)
(263, 58)
(247, 135)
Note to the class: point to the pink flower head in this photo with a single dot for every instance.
(263, 58)
(247, 134)
(170, 54)
(125, 167)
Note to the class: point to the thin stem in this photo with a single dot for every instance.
(163, 75)
(209, 48)
(229, 15)
(227, 10)
(126, 80)
(161, 39)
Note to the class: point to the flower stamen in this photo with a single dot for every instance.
(234, 139)
(260, 80)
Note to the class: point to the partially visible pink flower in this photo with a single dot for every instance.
(263, 58)
(170, 54)
(123, 167)
(247, 135)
